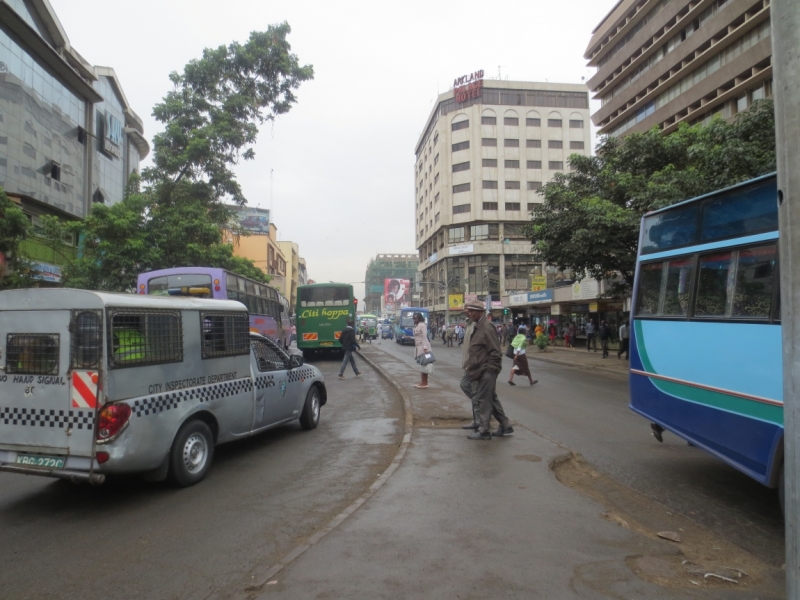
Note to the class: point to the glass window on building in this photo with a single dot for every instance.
(519, 268)
(455, 235)
(483, 275)
(487, 231)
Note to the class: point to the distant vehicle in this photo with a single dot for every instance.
(706, 352)
(323, 310)
(103, 383)
(269, 310)
(404, 327)
(370, 322)
(387, 331)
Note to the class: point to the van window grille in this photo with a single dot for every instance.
(268, 357)
(225, 333)
(32, 353)
(139, 337)
(86, 339)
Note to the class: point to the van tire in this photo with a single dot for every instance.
(309, 419)
(191, 454)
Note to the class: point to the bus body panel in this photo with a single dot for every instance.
(322, 312)
(714, 381)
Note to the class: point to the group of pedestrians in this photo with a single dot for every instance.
(604, 332)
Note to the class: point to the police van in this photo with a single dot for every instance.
(97, 383)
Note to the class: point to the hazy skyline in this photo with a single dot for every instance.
(342, 159)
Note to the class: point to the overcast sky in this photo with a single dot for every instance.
(342, 159)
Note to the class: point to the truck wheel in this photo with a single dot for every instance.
(191, 454)
(310, 417)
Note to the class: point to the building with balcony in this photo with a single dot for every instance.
(68, 136)
(485, 152)
(664, 62)
(262, 247)
(381, 268)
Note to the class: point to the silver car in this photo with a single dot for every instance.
(94, 383)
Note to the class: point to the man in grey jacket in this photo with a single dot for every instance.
(482, 362)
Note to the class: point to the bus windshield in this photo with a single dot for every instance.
(407, 319)
(191, 284)
(324, 296)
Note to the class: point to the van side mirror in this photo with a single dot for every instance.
(295, 360)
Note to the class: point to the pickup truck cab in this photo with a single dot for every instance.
(95, 383)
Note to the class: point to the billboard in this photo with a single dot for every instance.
(254, 220)
(455, 301)
(396, 294)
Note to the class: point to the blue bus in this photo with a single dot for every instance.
(706, 330)
(404, 324)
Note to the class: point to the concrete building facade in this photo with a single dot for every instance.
(485, 152)
(292, 253)
(386, 266)
(68, 136)
(663, 62)
(264, 251)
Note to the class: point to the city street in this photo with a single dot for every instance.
(135, 539)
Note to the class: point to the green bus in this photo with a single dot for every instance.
(371, 323)
(323, 310)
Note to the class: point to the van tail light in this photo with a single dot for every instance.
(112, 420)
(102, 457)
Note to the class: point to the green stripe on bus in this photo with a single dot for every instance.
(742, 406)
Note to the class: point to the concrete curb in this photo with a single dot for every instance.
(262, 578)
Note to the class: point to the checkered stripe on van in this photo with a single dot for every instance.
(300, 374)
(47, 417)
(265, 381)
(158, 403)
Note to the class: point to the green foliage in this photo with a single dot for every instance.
(541, 341)
(211, 119)
(14, 228)
(589, 220)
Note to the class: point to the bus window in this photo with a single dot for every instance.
(678, 286)
(754, 281)
(715, 285)
(191, 284)
(233, 286)
(250, 287)
(649, 288)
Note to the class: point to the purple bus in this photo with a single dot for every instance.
(269, 310)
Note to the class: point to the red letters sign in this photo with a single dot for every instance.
(468, 86)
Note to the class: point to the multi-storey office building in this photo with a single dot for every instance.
(382, 267)
(68, 136)
(480, 161)
(663, 62)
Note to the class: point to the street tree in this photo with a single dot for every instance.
(211, 119)
(15, 271)
(589, 219)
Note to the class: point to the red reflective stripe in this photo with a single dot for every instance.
(88, 396)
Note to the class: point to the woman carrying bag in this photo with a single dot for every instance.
(421, 346)
(520, 366)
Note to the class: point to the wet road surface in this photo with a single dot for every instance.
(133, 539)
(588, 412)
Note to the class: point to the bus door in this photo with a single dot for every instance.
(45, 407)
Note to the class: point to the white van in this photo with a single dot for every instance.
(94, 383)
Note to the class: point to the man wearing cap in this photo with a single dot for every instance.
(482, 361)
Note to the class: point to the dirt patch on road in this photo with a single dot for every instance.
(440, 422)
(693, 558)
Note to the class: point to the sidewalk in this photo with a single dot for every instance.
(469, 519)
(580, 357)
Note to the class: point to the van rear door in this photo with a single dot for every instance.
(38, 414)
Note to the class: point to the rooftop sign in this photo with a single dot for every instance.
(468, 86)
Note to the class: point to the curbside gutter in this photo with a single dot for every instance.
(261, 579)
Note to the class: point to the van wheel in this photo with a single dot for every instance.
(191, 454)
(310, 417)
(782, 493)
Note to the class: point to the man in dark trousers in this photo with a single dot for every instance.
(624, 339)
(349, 344)
(605, 337)
(482, 362)
(590, 336)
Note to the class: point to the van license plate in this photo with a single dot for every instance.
(52, 462)
(326, 343)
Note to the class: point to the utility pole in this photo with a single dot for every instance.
(786, 87)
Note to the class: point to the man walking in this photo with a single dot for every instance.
(605, 337)
(482, 362)
(349, 344)
(624, 339)
(590, 336)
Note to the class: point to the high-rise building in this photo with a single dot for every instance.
(663, 62)
(485, 151)
(69, 139)
(381, 268)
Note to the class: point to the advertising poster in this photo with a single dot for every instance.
(538, 283)
(254, 220)
(455, 301)
(396, 294)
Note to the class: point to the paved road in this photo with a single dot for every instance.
(587, 411)
(132, 539)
